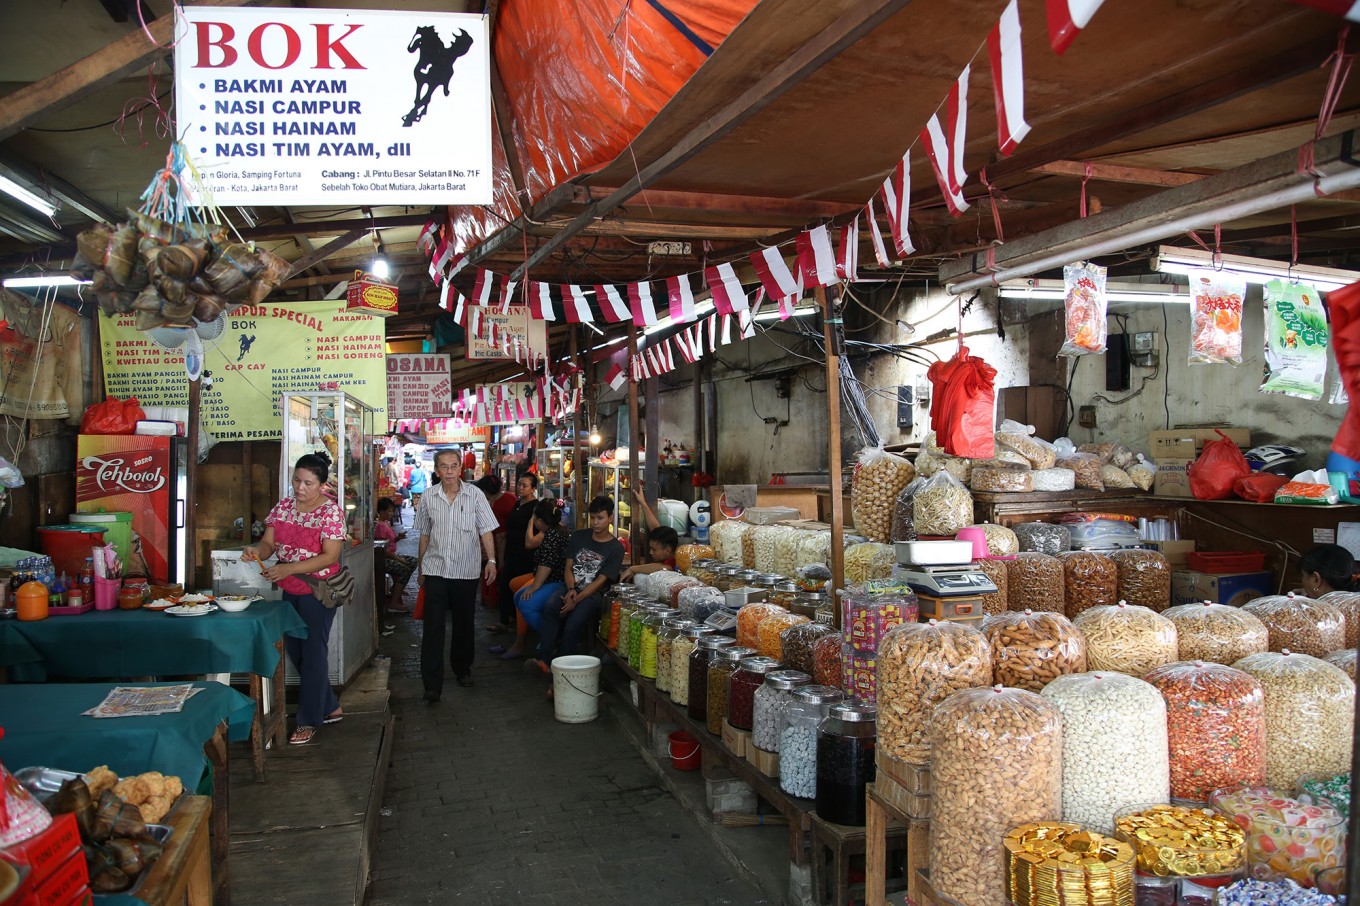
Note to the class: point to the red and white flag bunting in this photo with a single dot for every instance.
(786, 307)
(728, 296)
(446, 296)
(576, 304)
(876, 236)
(1066, 19)
(816, 259)
(897, 205)
(774, 274)
(748, 324)
(474, 322)
(615, 377)
(460, 261)
(726, 330)
(847, 254)
(540, 301)
(1008, 79)
(507, 293)
(680, 295)
(614, 308)
(439, 262)
(944, 144)
(481, 289)
(641, 305)
(428, 236)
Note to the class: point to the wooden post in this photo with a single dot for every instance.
(190, 479)
(579, 468)
(697, 458)
(652, 467)
(829, 302)
(247, 488)
(634, 537)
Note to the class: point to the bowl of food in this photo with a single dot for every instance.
(235, 603)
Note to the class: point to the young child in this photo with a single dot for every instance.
(390, 562)
(662, 540)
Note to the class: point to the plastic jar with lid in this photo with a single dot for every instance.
(1215, 727)
(867, 617)
(1126, 638)
(1217, 632)
(920, 665)
(671, 628)
(720, 672)
(1310, 713)
(809, 603)
(705, 652)
(796, 642)
(689, 597)
(798, 738)
(1286, 839)
(727, 578)
(749, 619)
(770, 701)
(771, 628)
(1302, 625)
(741, 689)
(996, 763)
(649, 636)
(1114, 746)
(783, 594)
(747, 578)
(626, 607)
(704, 570)
(609, 625)
(827, 669)
(635, 621)
(846, 740)
(681, 650)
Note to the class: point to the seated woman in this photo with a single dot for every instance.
(548, 583)
(1327, 568)
(390, 562)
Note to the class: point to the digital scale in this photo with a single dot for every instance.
(946, 581)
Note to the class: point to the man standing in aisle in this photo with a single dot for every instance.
(594, 561)
(454, 519)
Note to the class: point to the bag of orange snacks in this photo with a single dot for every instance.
(1085, 305)
(1216, 317)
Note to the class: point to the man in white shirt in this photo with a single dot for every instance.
(453, 520)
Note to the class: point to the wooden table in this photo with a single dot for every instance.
(183, 874)
(880, 815)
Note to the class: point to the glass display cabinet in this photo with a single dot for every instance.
(611, 480)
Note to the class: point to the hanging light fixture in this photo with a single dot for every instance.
(1171, 260)
(595, 436)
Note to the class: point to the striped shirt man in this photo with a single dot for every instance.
(451, 530)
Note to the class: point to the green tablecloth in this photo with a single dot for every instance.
(113, 643)
(44, 726)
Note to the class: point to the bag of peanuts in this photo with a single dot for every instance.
(995, 475)
(1300, 624)
(1215, 724)
(1014, 436)
(1115, 478)
(997, 601)
(1043, 537)
(1125, 638)
(1001, 541)
(1348, 602)
(1035, 582)
(1030, 650)
(1144, 578)
(919, 665)
(1089, 580)
(1086, 468)
(997, 764)
(1216, 632)
(877, 480)
(1310, 713)
(1345, 660)
(1142, 473)
(942, 506)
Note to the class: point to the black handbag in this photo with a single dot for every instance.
(333, 591)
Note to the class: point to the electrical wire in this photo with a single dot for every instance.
(1166, 388)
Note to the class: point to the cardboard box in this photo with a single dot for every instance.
(1177, 553)
(1172, 480)
(67, 884)
(48, 851)
(1189, 587)
(1185, 443)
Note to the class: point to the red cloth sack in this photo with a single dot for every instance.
(962, 405)
(112, 416)
(1259, 487)
(1219, 466)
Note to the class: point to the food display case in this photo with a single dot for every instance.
(611, 480)
(341, 426)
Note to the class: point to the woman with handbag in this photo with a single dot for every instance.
(307, 531)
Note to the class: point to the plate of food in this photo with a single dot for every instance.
(160, 604)
(191, 610)
(235, 603)
(195, 599)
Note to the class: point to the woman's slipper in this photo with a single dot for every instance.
(497, 627)
(302, 736)
(334, 717)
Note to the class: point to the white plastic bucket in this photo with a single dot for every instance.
(576, 685)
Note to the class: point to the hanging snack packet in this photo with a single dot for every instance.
(1296, 340)
(1216, 317)
(1085, 304)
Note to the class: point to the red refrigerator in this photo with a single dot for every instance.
(145, 476)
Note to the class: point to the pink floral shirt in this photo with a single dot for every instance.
(298, 537)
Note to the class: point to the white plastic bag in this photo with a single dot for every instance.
(1085, 306)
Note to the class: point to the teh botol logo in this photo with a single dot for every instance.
(434, 67)
(114, 472)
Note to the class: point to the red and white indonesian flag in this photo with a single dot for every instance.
(897, 204)
(728, 296)
(481, 290)
(576, 305)
(507, 293)
(816, 259)
(681, 298)
(944, 144)
(1008, 79)
(641, 305)
(847, 253)
(876, 235)
(775, 276)
(612, 304)
(615, 377)
(1066, 19)
(540, 301)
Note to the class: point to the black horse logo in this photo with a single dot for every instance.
(434, 69)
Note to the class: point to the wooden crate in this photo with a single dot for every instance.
(926, 894)
(738, 742)
(913, 777)
(880, 815)
(766, 763)
(913, 805)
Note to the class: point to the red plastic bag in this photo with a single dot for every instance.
(1259, 487)
(419, 612)
(1213, 475)
(962, 405)
(112, 416)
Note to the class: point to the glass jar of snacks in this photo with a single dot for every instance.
(671, 629)
(650, 635)
(741, 694)
(681, 650)
(1286, 839)
(770, 701)
(705, 652)
(768, 641)
(727, 578)
(720, 672)
(798, 737)
(783, 594)
(846, 742)
(627, 605)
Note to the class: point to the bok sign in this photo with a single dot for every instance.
(335, 107)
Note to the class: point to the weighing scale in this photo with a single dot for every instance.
(946, 581)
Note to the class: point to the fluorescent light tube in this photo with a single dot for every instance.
(27, 196)
(773, 315)
(37, 282)
(1171, 260)
(1055, 290)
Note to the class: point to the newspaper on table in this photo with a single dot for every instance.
(144, 701)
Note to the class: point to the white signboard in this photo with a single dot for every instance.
(510, 403)
(513, 322)
(282, 106)
(418, 386)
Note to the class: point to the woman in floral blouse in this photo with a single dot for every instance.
(307, 532)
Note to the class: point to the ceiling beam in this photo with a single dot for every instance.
(712, 202)
(66, 86)
(286, 230)
(807, 59)
(339, 242)
(13, 165)
(1257, 74)
(1139, 176)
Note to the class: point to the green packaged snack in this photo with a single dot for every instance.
(1296, 340)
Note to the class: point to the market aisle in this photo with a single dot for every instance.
(491, 801)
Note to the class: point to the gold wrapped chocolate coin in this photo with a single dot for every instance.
(1055, 864)
(1176, 841)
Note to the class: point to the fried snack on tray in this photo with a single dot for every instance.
(100, 779)
(152, 792)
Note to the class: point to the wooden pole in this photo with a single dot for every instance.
(579, 468)
(191, 493)
(652, 465)
(697, 458)
(829, 302)
(633, 435)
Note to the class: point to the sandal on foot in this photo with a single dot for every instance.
(334, 717)
(302, 736)
(497, 627)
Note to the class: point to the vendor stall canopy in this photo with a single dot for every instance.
(722, 126)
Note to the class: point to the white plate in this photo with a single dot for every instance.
(160, 604)
(195, 599)
(188, 610)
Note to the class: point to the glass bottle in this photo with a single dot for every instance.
(671, 628)
(682, 649)
(798, 738)
(648, 637)
(845, 762)
(741, 692)
(771, 699)
(626, 607)
(705, 652)
(719, 680)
